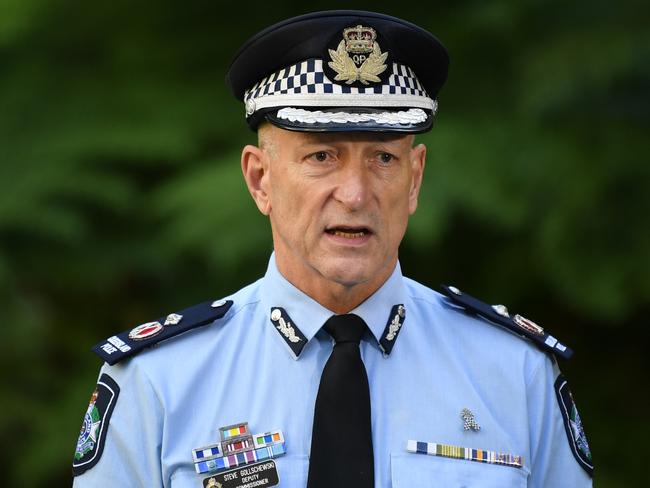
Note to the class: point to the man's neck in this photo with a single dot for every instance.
(338, 297)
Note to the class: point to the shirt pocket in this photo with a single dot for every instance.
(292, 470)
(423, 471)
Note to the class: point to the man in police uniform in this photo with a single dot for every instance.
(436, 389)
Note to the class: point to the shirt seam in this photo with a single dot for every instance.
(151, 384)
(534, 374)
(234, 311)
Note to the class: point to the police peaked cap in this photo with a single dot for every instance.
(340, 70)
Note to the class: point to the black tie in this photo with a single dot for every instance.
(341, 443)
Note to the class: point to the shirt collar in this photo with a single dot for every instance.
(303, 317)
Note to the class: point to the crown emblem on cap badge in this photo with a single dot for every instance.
(358, 56)
(359, 39)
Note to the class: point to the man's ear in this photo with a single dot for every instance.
(255, 166)
(418, 158)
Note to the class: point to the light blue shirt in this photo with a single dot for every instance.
(174, 397)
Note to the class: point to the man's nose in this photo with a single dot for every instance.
(353, 188)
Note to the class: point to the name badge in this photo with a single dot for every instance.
(249, 476)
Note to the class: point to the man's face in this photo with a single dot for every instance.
(338, 203)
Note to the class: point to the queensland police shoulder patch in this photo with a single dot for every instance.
(573, 425)
(95, 425)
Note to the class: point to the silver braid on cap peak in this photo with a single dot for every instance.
(412, 116)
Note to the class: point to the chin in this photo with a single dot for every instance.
(347, 272)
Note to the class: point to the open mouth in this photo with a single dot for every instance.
(349, 232)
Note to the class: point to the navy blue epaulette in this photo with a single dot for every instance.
(128, 343)
(498, 314)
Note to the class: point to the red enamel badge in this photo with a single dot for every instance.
(145, 331)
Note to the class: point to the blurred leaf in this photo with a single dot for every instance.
(209, 212)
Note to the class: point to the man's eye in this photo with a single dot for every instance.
(386, 157)
(320, 156)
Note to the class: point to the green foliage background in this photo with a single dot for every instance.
(121, 197)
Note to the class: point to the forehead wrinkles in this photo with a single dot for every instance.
(275, 141)
(343, 137)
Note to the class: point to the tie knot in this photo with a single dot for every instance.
(345, 328)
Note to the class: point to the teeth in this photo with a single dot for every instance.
(348, 235)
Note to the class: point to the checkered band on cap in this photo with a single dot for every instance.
(305, 85)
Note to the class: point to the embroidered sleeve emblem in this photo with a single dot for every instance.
(573, 425)
(89, 429)
(92, 437)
